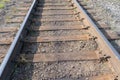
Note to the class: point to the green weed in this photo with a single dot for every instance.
(2, 3)
(5, 0)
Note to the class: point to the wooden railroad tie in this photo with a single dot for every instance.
(6, 41)
(16, 20)
(55, 8)
(52, 20)
(1, 57)
(23, 8)
(60, 38)
(48, 28)
(110, 35)
(102, 77)
(26, 4)
(87, 7)
(51, 14)
(49, 57)
(83, 3)
(98, 77)
(91, 11)
(47, 4)
(8, 29)
(20, 14)
(103, 26)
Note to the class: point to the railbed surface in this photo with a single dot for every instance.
(58, 42)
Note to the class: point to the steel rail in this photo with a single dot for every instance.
(13, 45)
(115, 61)
(99, 32)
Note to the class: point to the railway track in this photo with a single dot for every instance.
(106, 29)
(58, 41)
(9, 30)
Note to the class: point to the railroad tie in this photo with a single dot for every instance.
(48, 8)
(23, 9)
(20, 14)
(102, 77)
(26, 4)
(47, 4)
(8, 29)
(50, 14)
(99, 77)
(48, 28)
(87, 7)
(6, 41)
(16, 20)
(51, 57)
(52, 20)
(103, 26)
(60, 38)
(1, 57)
(91, 11)
(111, 35)
(83, 3)
(96, 18)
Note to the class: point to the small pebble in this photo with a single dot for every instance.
(70, 50)
(43, 50)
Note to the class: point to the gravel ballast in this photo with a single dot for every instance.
(109, 12)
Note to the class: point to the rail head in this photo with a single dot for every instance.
(91, 21)
(14, 43)
(115, 61)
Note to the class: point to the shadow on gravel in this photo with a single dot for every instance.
(117, 47)
(36, 22)
(24, 70)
